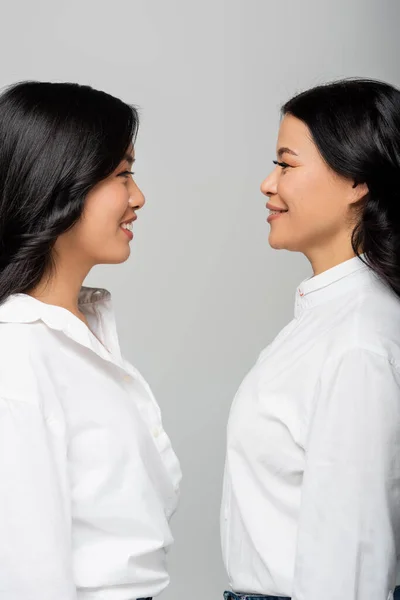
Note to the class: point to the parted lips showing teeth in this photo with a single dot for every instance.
(128, 226)
(276, 209)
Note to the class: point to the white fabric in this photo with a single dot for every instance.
(88, 476)
(311, 501)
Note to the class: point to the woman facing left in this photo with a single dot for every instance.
(89, 480)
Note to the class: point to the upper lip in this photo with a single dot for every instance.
(133, 218)
(272, 207)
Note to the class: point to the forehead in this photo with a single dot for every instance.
(294, 134)
(130, 154)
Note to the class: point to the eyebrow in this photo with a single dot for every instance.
(129, 158)
(285, 150)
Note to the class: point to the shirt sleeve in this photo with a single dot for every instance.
(349, 520)
(35, 531)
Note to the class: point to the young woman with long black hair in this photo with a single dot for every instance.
(88, 476)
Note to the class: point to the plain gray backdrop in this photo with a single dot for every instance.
(202, 293)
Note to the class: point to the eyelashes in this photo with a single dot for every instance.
(125, 173)
(281, 164)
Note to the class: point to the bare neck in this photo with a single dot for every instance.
(62, 289)
(324, 258)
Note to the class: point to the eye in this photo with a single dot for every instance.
(125, 174)
(283, 165)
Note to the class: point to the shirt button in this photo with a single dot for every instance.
(156, 431)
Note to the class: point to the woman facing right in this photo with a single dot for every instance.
(311, 505)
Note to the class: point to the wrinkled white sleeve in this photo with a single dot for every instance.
(349, 522)
(35, 530)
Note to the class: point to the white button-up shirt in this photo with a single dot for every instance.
(87, 473)
(311, 502)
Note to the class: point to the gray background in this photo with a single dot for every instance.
(202, 293)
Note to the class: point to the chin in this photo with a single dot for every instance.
(279, 243)
(276, 243)
(116, 259)
(122, 259)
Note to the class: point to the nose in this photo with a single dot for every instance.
(270, 183)
(136, 199)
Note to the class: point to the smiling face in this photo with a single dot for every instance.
(102, 235)
(319, 204)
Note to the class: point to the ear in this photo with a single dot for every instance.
(359, 191)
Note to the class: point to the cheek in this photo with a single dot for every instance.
(106, 210)
(309, 195)
(294, 190)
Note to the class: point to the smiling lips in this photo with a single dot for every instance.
(127, 227)
(275, 212)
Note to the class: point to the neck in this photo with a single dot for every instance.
(322, 259)
(62, 288)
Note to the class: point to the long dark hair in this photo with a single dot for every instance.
(355, 125)
(57, 141)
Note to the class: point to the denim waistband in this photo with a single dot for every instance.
(233, 596)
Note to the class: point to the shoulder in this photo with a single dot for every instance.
(19, 346)
(372, 324)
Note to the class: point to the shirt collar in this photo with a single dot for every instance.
(331, 283)
(95, 303)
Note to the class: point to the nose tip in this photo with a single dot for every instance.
(262, 187)
(136, 198)
(141, 200)
(268, 186)
(265, 187)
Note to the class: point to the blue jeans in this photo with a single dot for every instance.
(233, 596)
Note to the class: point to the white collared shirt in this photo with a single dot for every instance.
(311, 501)
(87, 473)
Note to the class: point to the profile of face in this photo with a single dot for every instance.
(104, 232)
(311, 206)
